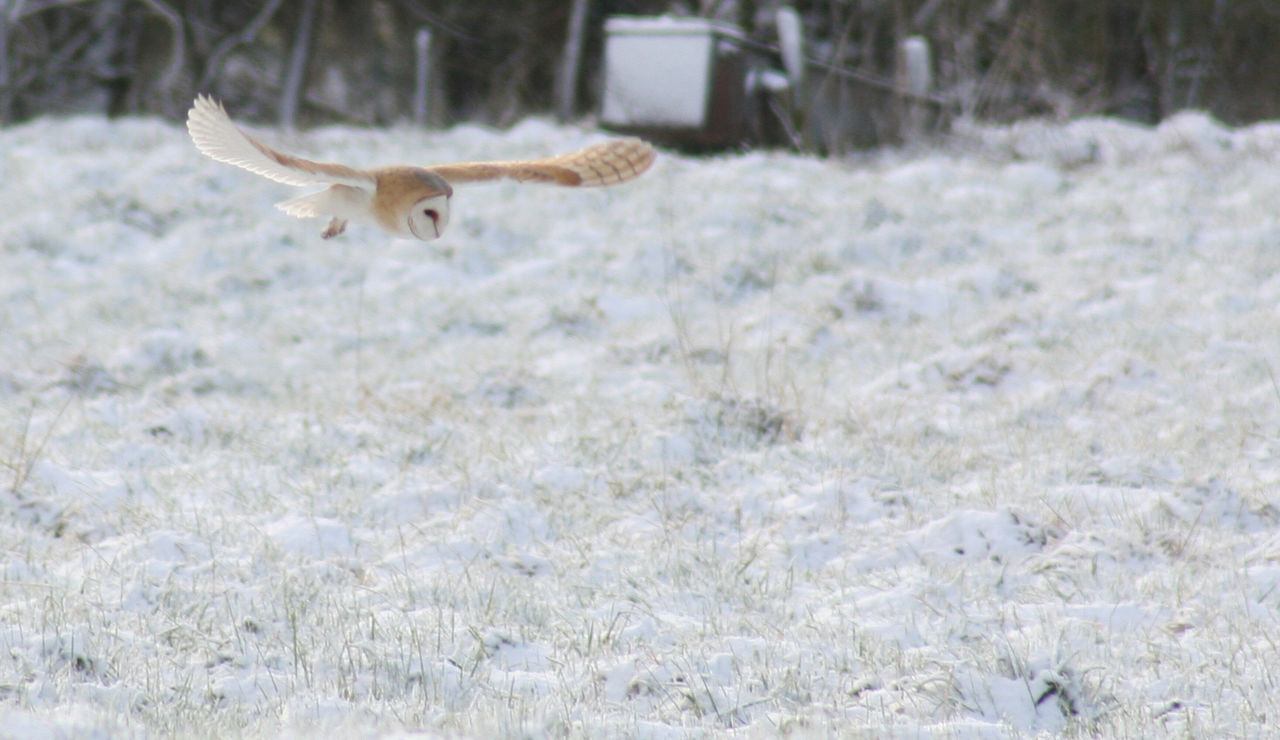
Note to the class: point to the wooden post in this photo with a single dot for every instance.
(567, 76)
(421, 76)
(917, 75)
(918, 65)
(296, 72)
(6, 92)
(791, 43)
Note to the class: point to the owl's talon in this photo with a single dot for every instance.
(335, 227)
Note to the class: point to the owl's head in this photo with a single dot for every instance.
(429, 216)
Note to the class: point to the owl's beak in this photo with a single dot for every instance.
(438, 221)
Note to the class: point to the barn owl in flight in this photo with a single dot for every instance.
(410, 202)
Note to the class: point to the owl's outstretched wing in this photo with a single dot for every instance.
(612, 162)
(218, 138)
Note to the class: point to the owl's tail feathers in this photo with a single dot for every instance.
(312, 205)
(324, 204)
(338, 201)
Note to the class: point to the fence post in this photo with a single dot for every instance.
(567, 76)
(296, 73)
(917, 77)
(421, 76)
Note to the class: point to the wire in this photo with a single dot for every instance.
(864, 77)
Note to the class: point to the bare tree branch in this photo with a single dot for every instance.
(22, 9)
(179, 53)
(245, 36)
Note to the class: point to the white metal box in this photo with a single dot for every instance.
(680, 79)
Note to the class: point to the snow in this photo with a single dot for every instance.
(978, 441)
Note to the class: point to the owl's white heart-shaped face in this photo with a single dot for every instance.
(429, 217)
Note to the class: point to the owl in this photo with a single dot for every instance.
(407, 201)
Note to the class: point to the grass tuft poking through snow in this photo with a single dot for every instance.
(982, 441)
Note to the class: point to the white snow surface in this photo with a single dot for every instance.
(976, 441)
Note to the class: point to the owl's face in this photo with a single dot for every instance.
(429, 216)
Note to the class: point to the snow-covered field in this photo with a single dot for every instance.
(978, 441)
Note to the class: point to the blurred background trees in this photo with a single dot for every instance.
(384, 61)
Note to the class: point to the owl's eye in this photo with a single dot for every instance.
(432, 214)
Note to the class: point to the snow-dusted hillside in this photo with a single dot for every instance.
(977, 442)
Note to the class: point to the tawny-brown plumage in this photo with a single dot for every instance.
(407, 201)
